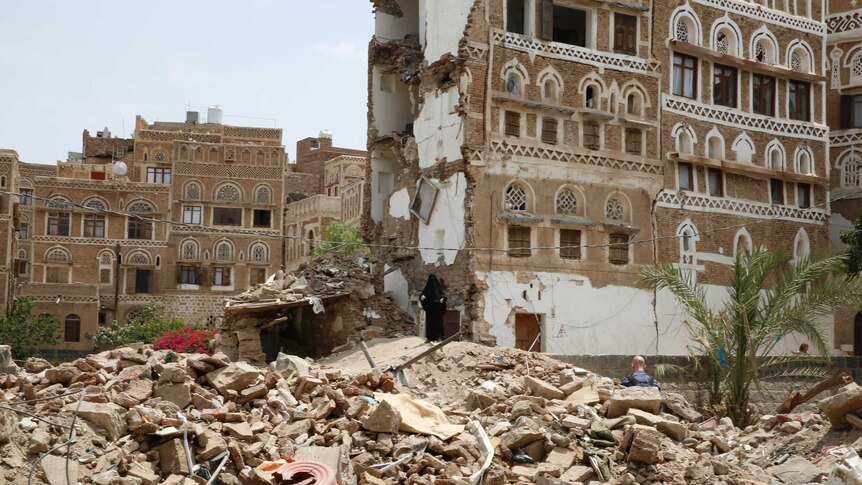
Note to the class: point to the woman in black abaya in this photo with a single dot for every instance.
(433, 300)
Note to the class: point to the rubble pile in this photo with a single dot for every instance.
(146, 417)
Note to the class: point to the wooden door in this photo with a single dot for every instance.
(451, 323)
(526, 331)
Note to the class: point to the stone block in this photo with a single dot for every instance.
(564, 457)
(383, 419)
(172, 458)
(108, 416)
(234, 377)
(644, 398)
(542, 388)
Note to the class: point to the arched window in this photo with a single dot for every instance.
(516, 198)
(223, 252)
(550, 90)
(139, 227)
(765, 48)
(633, 105)
(58, 202)
(688, 238)
(142, 207)
(138, 258)
(722, 43)
(193, 191)
(566, 203)
(743, 244)
(190, 250)
(160, 157)
(262, 195)
(72, 329)
(856, 68)
(58, 255)
(228, 193)
(681, 33)
(801, 246)
(261, 156)
(259, 253)
(591, 96)
(213, 156)
(683, 142)
(95, 204)
(615, 210)
(715, 148)
(776, 159)
(851, 170)
(804, 163)
(105, 258)
(513, 84)
(795, 61)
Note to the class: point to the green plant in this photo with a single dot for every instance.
(145, 326)
(339, 238)
(767, 299)
(25, 332)
(853, 239)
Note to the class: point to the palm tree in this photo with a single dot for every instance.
(766, 300)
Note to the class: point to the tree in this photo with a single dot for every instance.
(339, 238)
(767, 300)
(25, 332)
(146, 325)
(853, 239)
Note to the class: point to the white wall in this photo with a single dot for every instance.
(393, 109)
(445, 228)
(399, 204)
(439, 129)
(381, 163)
(445, 21)
(389, 27)
(396, 284)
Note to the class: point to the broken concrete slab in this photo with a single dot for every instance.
(172, 457)
(542, 388)
(234, 377)
(383, 419)
(108, 416)
(55, 470)
(644, 398)
(796, 471)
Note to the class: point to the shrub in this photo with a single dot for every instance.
(25, 332)
(339, 238)
(146, 326)
(187, 340)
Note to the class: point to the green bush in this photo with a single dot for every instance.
(146, 326)
(25, 332)
(339, 238)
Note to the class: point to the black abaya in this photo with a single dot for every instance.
(434, 303)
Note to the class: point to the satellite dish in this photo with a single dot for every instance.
(120, 168)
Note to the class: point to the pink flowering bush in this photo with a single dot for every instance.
(187, 340)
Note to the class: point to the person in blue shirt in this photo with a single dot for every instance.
(639, 377)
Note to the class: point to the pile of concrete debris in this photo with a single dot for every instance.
(466, 414)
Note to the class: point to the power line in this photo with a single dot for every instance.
(260, 234)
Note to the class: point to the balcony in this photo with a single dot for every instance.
(50, 292)
(316, 206)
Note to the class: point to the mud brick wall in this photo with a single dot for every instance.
(195, 309)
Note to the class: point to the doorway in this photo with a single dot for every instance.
(857, 334)
(527, 329)
(451, 323)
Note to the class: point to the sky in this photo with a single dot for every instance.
(66, 66)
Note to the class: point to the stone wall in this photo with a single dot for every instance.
(768, 395)
(195, 309)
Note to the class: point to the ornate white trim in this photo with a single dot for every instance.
(64, 183)
(567, 52)
(843, 22)
(745, 121)
(475, 51)
(845, 138)
(758, 12)
(229, 171)
(65, 299)
(215, 230)
(671, 199)
(587, 158)
(88, 241)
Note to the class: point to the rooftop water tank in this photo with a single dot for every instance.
(326, 134)
(215, 114)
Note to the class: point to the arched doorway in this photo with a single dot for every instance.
(857, 334)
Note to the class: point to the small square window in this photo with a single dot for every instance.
(570, 244)
(549, 131)
(423, 201)
(803, 195)
(776, 191)
(519, 241)
(685, 176)
(513, 123)
(592, 136)
(262, 218)
(634, 141)
(715, 179)
(618, 252)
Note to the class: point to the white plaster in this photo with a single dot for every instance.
(382, 182)
(839, 224)
(438, 128)
(445, 228)
(445, 22)
(399, 204)
(389, 27)
(393, 102)
(396, 285)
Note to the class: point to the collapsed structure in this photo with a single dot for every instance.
(539, 153)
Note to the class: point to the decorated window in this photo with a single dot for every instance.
(516, 198)
(614, 210)
(566, 203)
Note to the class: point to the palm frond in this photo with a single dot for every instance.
(802, 372)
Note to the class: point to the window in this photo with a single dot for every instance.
(634, 141)
(519, 241)
(614, 210)
(23, 231)
(618, 252)
(105, 276)
(189, 275)
(261, 218)
(193, 191)
(423, 201)
(158, 175)
(192, 214)
(592, 138)
(763, 94)
(633, 105)
(550, 90)
(259, 253)
(139, 229)
(685, 176)
(722, 44)
(724, 85)
(851, 112)
(570, 244)
(684, 75)
(221, 276)
(566, 203)
(229, 193)
(681, 33)
(515, 16)
(224, 216)
(58, 224)
(141, 280)
(56, 275)
(715, 182)
(513, 123)
(549, 131)
(776, 191)
(590, 97)
(516, 198)
(257, 276)
(189, 250)
(94, 225)
(715, 148)
(803, 195)
(26, 197)
(798, 100)
(804, 164)
(261, 195)
(23, 267)
(223, 252)
(625, 34)
(72, 329)
(570, 26)
(513, 84)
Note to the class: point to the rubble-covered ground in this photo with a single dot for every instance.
(545, 422)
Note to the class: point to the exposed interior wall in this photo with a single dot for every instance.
(445, 21)
(445, 227)
(439, 128)
(399, 204)
(394, 103)
(383, 171)
(396, 285)
(390, 27)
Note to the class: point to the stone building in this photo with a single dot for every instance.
(182, 214)
(9, 218)
(549, 136)
(844, 116)
(336, 193)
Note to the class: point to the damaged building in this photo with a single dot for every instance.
(536, 154)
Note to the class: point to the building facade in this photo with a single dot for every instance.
(539, 153)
